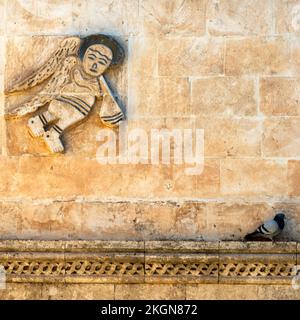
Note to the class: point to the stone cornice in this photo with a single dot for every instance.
(148, 261)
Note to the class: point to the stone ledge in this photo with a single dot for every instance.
(148, 262)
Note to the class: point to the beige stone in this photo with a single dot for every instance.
(239, 17)
(165, 96)
(115, 18)
(21, 291)
(294, 178)
(2, 54)
(253, 178)
(138, 181)
(230, 137)
(223, 96)
(280, 96)
(281, 137)
(142, 60)
(2, 17)
(191, 220)
(278, 293)
(287, 16)
(128, 220)
(190, 56)
(259, 55)
(38, 17)
(11, 222)
(173, 18)
(205, 184)
(221, 292)
(77, 292)
(231, 220)
(150, 292)
(17, 67)
(291, 229)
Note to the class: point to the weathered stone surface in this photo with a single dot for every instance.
(116, 18)
(281, 137)
(294, 178)
(190, 56)
(38, 17)
(231, 221)
(142, 61)
(253, 178)
(163, 96)
(259, 55)
(2, 17)
(16, 67)
(278, 293)
(150, 292)
(236, 17)
(230, 137)
(221, 292)
(287, 17)
(280, 96)
(21, 291)
(77, 291)
(223, 96)
(2, 54)
(173, 18)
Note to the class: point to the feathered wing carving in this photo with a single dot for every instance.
(57, 68)
(68, 47)
(56, 82)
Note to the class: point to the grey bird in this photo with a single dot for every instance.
(268, 230)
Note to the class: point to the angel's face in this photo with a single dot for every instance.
(97, 59)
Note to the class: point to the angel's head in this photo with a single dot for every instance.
(98, 52)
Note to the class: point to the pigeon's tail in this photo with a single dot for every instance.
(252, 236)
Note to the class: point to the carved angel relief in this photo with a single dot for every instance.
(75, 80)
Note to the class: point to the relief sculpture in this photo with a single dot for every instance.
(73, 79)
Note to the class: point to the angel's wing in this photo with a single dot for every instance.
(68, 47)
(60, 77)
(110, 113)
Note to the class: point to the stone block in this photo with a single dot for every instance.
(231, 220)
(221, 292)
(230, 137)
(190, 56)
(253, 178)
(163, 96)
(77, 291)
(280, 96)
(281, 137)
(115, 18)
(142, 60)
(2, 17)
(259, 55)
(294, 178)
(236, 17)
(149, 292)
(228, 96)
(161, 18)
(287, 16)
(39, 17)
(21, 291)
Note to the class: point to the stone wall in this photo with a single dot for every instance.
(231, 67)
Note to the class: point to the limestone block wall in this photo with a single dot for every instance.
(230, 67)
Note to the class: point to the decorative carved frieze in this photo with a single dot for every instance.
(148, 262)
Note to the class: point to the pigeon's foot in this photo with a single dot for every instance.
(53, 141)
(36, 126)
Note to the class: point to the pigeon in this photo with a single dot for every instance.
(268, 230)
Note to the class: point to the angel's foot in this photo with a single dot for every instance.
(53, 142)
(36, 126)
